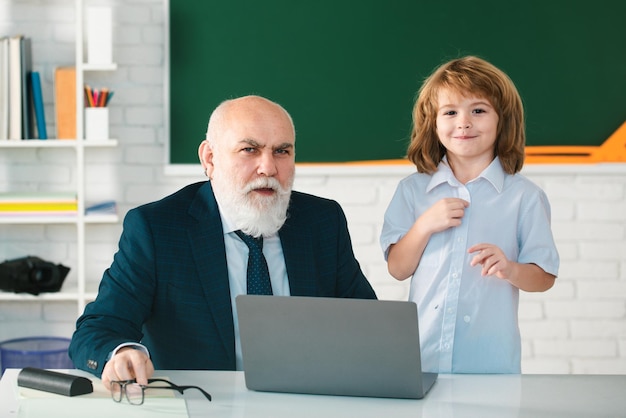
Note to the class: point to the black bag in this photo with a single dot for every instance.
(31, 275)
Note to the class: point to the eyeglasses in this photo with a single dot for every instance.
(135, 392)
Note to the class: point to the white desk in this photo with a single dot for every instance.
(456, 396)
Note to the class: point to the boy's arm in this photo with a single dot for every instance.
(531, 278)
(404, 256)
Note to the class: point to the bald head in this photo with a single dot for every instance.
(247, 109)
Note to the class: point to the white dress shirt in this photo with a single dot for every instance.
(237, 261)
(468, 323)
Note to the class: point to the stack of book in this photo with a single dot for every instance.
(38, 203)
(21, 101)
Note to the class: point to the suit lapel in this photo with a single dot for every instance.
(207, 243)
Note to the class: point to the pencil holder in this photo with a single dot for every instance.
(96, 123)
(99, 35)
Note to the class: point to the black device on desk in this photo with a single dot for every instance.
(331, 346)
(54, 382)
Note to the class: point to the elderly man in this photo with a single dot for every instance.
(167, 301)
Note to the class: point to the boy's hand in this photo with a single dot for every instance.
(492, 259)
(445, 213)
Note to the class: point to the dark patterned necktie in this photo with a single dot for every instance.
(258, 274)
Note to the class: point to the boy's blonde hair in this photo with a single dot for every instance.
(468, 76)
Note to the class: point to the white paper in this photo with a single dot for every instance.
(37, 403)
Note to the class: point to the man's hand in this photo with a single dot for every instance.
(128, 364)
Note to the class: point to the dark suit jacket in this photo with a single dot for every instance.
(168, 284)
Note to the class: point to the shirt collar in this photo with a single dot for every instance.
(494, 174)
(228, 225)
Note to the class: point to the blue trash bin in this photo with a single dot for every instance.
(41, 352)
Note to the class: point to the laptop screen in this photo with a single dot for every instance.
(331, 346)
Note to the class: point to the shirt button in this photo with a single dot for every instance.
(446, 346)
(466, 318)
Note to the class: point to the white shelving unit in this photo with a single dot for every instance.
(80, 146)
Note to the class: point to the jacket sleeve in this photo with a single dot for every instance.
(124, 299)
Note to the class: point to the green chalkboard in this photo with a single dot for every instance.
(348, 70)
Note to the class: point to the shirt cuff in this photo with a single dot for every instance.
(136, 346)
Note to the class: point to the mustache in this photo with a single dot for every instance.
(265, 183)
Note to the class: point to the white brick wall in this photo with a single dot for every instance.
(579, 326)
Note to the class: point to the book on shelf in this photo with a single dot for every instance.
(36, 196)
(65, 102)
(21, 204)
(17, 111)
(18, 207)
(28, 114)
(15, 87)
(38, 203)
(4, 88)
(35, 213)
(107, 207)
(37, 95)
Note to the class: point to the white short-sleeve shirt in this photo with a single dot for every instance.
(468, 323)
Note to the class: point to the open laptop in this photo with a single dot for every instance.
(331, 346)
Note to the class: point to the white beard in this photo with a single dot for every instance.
(254, 214)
